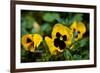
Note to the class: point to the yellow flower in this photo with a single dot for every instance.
(60, 38)
(31, 41)
(78, 29)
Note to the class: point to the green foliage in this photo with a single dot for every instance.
(81, 43)
(50, 17)
(45, 29)
(27, 22)
(76, 57)
(78, 17)
(67, 54)
(80, 49)
(46, 21)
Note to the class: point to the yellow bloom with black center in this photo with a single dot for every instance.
(31, 41)
(60, 38)
(78, 29)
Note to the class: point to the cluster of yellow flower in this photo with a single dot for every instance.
(61, 37)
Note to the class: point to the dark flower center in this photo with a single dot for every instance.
(64, 37)
(58, 42)
(62, 45)
(28, 40)
(58, 34)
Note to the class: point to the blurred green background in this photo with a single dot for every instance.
(42, 22)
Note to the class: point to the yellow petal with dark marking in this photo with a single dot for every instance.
(31, 41)
(50, 43)
(78, 27)
(61, 37)
(63, 30)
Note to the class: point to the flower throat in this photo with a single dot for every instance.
(59, 40)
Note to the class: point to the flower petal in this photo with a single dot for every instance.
(31, 41)
(53, 50)
(37, 40)
(63, 30)
(25, 39)
(78, 27)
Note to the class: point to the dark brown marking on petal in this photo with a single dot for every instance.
(56, 42)
(64, 37)
(58, 34)
(62, 45)
(78, 32)
(28, 40)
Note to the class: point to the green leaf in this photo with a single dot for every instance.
(78, 17)
(68, 21)
(50, 17)
(81, 43)
(60, 20)
(23, 53)
(67, 54)
(45, 57)
(76, 57)
(46, 28)
(85, 54)
(33, 30)
(84, 42)
(56, 15)
(23, 31)
(27, 22)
